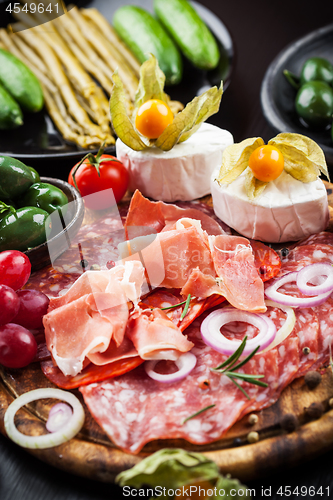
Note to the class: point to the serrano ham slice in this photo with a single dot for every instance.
(239, 281)
(89, 321)
(146, 217)
(155, 336)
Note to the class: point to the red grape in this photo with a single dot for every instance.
(15, 269)
(18, 346)
(33, 306)
(9, 304)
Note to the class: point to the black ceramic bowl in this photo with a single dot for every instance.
(278, 96)
(58, 243)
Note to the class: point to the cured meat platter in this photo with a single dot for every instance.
(277, 443)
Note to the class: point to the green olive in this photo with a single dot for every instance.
(317, 68)
(314, 104)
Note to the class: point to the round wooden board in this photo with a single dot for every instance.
(92, 455)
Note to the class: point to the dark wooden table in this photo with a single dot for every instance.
(260, 30)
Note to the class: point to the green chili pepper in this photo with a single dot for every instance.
(15, 177)
(23, 229)
(44, 196)
(317, 68)
(314, 103)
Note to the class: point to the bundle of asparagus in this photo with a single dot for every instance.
(74, 57)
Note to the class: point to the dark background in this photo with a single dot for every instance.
(260, 30)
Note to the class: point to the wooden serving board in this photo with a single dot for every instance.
(91, 454)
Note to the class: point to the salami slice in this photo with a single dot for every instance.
(324, 238)
(90, 374)
(307, 329)
(325, 337)
(134, 409)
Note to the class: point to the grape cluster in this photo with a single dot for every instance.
(20, 311)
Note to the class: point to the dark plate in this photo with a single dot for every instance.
(58, 242)
(39, 140)
(278, 96)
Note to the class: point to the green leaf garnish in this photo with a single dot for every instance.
(151, 86)
(197, 413)
(170, 468)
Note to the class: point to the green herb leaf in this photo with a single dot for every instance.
(234, 357)
(230, 365)
(245, 360)
(170, 468)
(187, 304)
(173, 306)
(240, 388)
(197, 413)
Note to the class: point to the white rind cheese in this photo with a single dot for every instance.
(287, 210)
(181, 174)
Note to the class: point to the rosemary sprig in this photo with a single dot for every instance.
(187, 304)
(231, 364)
(173, 307)
(197, 413)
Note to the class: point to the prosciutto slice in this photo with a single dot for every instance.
(89, 321)
(239, 282)
(172, 255)
(155, 336)
(147, 217)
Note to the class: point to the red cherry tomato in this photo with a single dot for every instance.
(15, 269)
(113, 175)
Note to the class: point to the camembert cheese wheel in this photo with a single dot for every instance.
(181, 174)
(287, 210)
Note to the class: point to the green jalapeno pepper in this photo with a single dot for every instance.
(44, 196)
(23, 229)
(314, 103)
(15, 177)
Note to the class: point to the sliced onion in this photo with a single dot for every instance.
(272, 293)
(287, 326)
(185, 364)
(69, 430)
(305, 275)
(58, 417)
(212, 335)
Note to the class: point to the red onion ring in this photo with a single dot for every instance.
(59, 415)
(272, 293)
(212, 336)
(185, 364)
(307, 274)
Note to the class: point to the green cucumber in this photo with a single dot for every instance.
(20, 82)
(10, 111)
(144, 35)
(189, 31)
